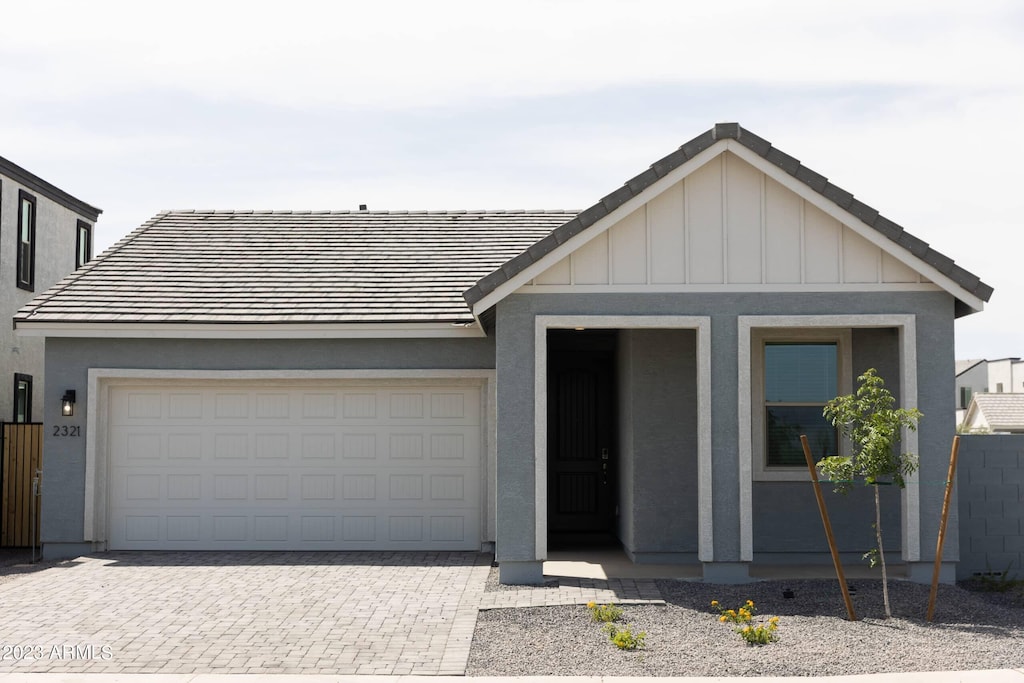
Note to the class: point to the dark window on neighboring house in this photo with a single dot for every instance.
(22, 398)
(965, 396)
(799, 378)
(999, 387)
(83, 244)
(26, 267)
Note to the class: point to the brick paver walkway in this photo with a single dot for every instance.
(570, 591)
(324, 613)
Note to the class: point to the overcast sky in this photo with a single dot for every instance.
(914, 106)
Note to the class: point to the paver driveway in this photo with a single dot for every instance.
(253, 612)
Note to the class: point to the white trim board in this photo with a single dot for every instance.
(249, 331)
(702, 325)
(100, 380)
(907, 326)
(807, 288)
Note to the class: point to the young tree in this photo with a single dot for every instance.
(873, 426)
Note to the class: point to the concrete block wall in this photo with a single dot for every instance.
(990, 485)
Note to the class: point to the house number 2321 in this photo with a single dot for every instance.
(65, 430)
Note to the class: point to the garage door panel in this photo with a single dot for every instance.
(208, 467)
(209, 530)
(155, 442)
(353, 484)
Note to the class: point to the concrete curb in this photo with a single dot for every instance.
(981, 676)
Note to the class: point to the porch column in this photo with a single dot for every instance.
(521, 538)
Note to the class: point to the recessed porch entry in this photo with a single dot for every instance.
(623, 441)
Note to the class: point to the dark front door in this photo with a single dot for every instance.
(581, 432)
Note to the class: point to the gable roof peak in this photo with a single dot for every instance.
(635, 186)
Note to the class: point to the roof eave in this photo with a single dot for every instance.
(280, 330)
(50, 191)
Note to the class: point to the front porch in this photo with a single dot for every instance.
(612, 563)
(688, 491)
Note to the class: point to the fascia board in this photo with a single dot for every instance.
(247, 331)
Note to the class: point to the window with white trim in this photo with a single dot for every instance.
(794, 373)
(799, 378)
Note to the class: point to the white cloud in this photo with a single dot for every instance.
(397, 54)
(142, 106)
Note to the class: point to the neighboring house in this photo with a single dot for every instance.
(1001, 376)
(45, 233)
(636, 372)
(994, 414)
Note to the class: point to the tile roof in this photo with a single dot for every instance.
(293, 267)
(1002, 412)
(763, 148)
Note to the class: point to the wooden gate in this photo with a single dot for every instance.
(19, 481)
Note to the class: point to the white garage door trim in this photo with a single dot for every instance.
(102, 380)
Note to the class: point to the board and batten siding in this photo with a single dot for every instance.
(727, 223)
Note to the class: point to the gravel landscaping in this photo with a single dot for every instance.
(971, 630)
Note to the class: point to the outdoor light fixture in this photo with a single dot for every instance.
(67, 403)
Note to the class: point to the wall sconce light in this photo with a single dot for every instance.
(67, 403)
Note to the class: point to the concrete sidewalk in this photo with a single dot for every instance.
(987, 676)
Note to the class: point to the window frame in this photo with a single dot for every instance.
(20, 378)
(760, 338)
(965, 396)
(81, 228)
(26, 283)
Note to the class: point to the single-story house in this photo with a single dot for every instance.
(637, 372)
(994, 414)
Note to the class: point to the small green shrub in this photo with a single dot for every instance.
(754, 634)
(624, 638)
(760, 634)
(605, 613)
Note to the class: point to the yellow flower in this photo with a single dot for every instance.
(750, 603)
(591, 604)
(746, 629)
(731, 613)
(723, 618)
(714, 603)
(774, 620)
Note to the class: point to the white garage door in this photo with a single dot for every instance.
(279, 466)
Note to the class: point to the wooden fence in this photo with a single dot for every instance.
(20, 478)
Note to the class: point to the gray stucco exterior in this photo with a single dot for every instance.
(68, 361)
(657, 395)
(933, 313)
(657, 398)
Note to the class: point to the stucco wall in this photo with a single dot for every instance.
(660, 473)
(68, 362)
(516, 314)
(627, 457)
(789, 528)
(56, 230)
(990, 500)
